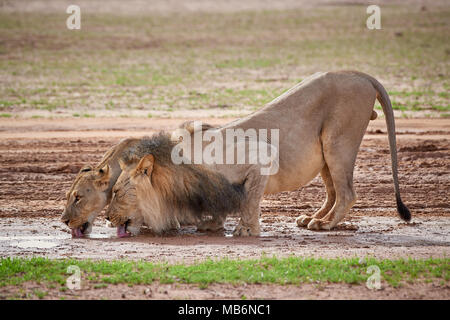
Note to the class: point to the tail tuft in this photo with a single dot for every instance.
(403, 210)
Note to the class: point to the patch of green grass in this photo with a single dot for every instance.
(229, 98)
(39, 102)
(254, 54)
(411, 93)
(416, 107)
(6, 104)
(255, 63)
(441, 108)
(292, 270)
(142, 75)
(40, 294)
(399, 106)
(88, 115)
(5, 115)
(48, 107)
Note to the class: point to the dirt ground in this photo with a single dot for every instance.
(228, 291)
(39, 159)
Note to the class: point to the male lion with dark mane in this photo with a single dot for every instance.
(154, 191)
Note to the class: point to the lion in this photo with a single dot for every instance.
(321, 123)
(154, 191)
(91, 190)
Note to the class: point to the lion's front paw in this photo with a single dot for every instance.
(246, 231)
(303, 220)
(319, 224)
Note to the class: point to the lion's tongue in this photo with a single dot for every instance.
(122, 231)
(77, 233)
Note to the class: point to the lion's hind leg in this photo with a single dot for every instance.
(341, 163)
(304, 220)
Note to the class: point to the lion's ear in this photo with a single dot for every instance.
(102, 180)
(86, 168)
(146, 165)
(104, 171)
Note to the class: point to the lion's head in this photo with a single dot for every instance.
(91, 190)
(135, 200)
(86, 199)
(123, 211)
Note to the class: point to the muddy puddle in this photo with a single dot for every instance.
(361, 236)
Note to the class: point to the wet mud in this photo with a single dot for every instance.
(39, 162)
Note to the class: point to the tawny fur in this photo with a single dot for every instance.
(91, 190)
(94, 187)
(153, 190)
(321, 121)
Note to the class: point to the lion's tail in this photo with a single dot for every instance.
(385, 102)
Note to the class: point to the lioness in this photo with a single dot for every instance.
(321, 124)
(317, 135)
(91, 190)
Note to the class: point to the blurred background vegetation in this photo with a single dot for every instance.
(199, 58)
